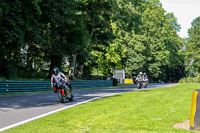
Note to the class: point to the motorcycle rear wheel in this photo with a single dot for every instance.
(61, 97)
(69, 93)
(70, 98)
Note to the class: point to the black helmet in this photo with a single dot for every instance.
(55, 70)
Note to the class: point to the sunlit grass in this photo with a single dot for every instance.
(154, 111)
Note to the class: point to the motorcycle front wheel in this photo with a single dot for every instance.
(139, 85)
(145, 86)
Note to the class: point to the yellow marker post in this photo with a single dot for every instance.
(193, 108)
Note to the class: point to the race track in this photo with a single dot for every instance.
(17, 110)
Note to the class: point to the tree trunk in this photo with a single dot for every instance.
(72, 68)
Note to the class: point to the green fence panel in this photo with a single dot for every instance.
(8, 87)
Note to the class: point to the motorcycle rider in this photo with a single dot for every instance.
(140, 79)
(146, 79)
(140, 76)
(56, 79)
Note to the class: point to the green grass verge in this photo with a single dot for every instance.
(150, 111)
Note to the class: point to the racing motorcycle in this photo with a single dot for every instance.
(139, 83)
(145, 83)
(65, 91)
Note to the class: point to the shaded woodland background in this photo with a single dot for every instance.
(94, 37)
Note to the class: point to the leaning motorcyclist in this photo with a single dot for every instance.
(146, 78)
(140, 76)
(56, 79)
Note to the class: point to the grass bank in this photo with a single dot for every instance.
(150, 111)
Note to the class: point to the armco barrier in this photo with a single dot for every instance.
(7, 87)
(195, 110)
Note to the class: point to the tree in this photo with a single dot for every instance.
(110, 38)
(156, 51)
(192, 49)
(63, 30)
(98, 16)
(12, 33)
(103, 35)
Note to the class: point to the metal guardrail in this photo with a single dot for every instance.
(8, 87)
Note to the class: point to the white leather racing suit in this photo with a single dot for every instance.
(55, 79)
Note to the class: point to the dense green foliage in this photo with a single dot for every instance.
(103, 35)
(156, 49)
(192, 50)
(149, 111)
(190, 79)
(191, 53)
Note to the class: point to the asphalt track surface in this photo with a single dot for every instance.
(17, 110)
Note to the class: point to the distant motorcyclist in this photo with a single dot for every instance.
(56, 79)
(140, 79)
(146, 80)
(140, 76)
